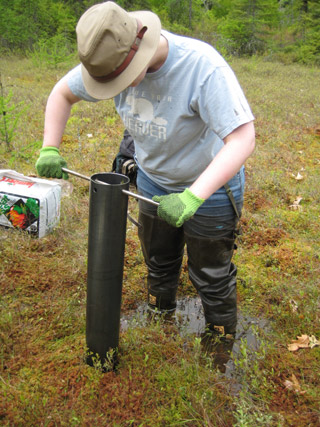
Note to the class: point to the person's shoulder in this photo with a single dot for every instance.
(75, 71)
(74, 80)
(198, 49)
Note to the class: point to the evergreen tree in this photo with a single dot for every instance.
(242, 27)
(24, 22)
(248, 24)
(310, 46)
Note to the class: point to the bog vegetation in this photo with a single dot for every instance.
(164, 377)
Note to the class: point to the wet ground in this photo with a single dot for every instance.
(189, 320)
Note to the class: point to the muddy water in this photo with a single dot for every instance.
(188, 318)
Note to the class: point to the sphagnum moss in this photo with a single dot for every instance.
(161, 378)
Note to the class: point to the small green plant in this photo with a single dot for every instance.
(11, 114)
(49, 53)
(25, 153)
(106, 365)
(248, 415)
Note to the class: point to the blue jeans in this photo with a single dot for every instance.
(218, 205)
(209, 237)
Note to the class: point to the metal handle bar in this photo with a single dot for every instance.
(129, 193)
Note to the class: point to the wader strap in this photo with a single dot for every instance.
(233, 202)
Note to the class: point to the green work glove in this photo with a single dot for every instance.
(176, 208)
(50, 163)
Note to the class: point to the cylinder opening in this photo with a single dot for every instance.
(110, 178)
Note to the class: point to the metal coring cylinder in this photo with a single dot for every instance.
(106, 248)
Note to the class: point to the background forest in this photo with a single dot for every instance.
(286, 30)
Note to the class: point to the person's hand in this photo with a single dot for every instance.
(50, 162)
(176, 208)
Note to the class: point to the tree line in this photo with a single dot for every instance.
(288, 30)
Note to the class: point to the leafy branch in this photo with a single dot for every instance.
(11, 114)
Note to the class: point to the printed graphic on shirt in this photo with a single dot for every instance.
(140, 119)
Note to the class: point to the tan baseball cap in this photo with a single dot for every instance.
(114, 47)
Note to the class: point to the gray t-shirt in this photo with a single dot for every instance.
(179, 114)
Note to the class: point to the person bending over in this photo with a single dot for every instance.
(193, 131)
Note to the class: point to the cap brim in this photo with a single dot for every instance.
(141, 59)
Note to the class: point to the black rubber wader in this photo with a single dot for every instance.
(210, 245)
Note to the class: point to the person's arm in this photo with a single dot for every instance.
(57, 113)
(60, 101)
(239, 145)
(176, 208)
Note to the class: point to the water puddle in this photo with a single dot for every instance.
(188, 318)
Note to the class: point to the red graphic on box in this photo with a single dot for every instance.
(16, 182)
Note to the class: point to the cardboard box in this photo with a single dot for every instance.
(30, 204)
